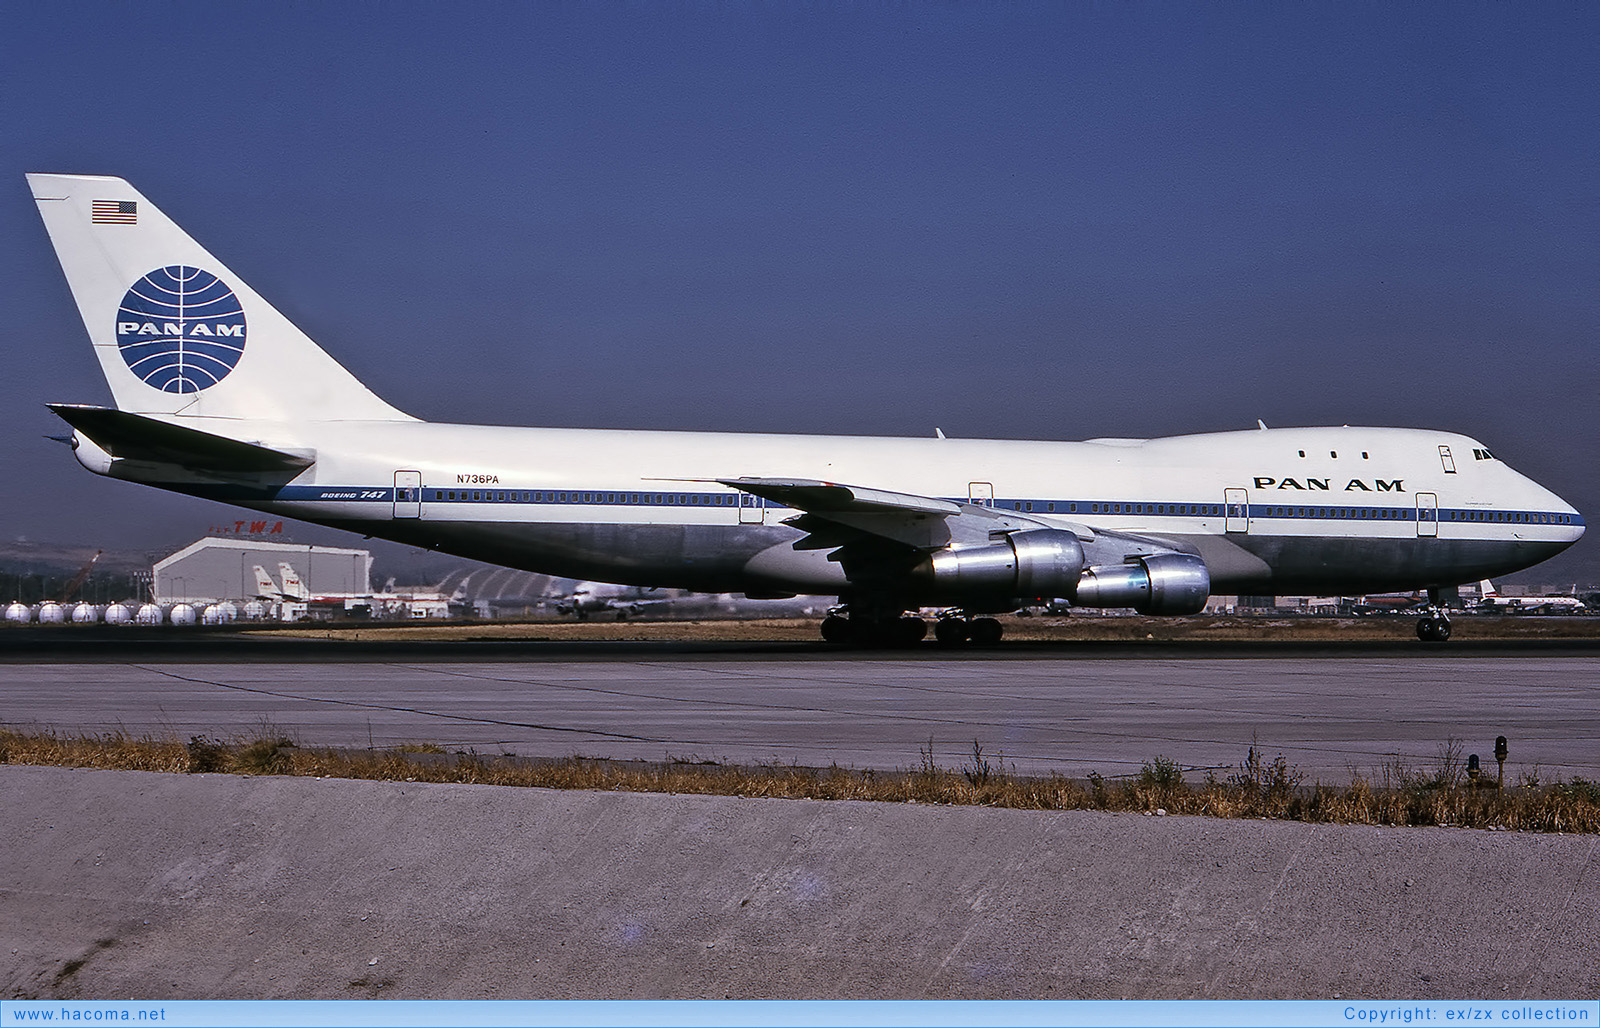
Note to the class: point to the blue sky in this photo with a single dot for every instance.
(1045, 221)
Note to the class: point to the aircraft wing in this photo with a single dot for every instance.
(136, 437)
(837, 514)
(831, 497)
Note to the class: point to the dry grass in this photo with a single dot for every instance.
(1258, 788)
(112, 751)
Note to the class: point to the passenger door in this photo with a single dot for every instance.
(408, 494)
(1427, 515)
(1237, 505)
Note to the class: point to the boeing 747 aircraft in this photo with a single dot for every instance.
(218, 395)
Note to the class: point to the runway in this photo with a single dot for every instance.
(1040, 715)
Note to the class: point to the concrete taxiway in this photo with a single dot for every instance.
(1327, 717)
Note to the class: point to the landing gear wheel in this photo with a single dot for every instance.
(1436, 629)
(950, 632)
(910, 631)
(873, 627)
(986, 632)
(835, 629)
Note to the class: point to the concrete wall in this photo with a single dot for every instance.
(122, 884)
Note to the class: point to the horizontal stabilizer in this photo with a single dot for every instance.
(135, 437)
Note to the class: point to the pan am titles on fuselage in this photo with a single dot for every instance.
(218, 395)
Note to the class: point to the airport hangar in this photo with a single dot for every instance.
(215, 570)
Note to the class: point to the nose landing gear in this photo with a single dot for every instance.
(1435, 624)
(1434, 628)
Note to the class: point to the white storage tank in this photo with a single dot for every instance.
(218, 614)
(19, 614)
(149, 614)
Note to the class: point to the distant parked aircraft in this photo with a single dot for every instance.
(588, 598)
(1490, 599)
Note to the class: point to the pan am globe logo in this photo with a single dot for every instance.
(180, 329)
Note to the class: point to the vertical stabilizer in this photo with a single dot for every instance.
(175, 330)
(266, 588)
(292, 586)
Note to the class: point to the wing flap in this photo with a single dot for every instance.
(836, 515)
(824, 498)
(136, 437)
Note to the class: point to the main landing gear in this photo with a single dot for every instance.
(886, 632)
(846, 628)
(957, 629)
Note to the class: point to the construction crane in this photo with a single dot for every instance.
(77, 582)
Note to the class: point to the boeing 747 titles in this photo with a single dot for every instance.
(218, 395)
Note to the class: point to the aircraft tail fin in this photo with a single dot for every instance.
(176, 331)
(1486, 590)
(266, 589)
(292, 585)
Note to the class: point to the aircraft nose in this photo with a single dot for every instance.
(1569, 524)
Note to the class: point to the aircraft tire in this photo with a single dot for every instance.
(835, 629)
(986, 632)
(950, 632)
(909, 631)
(1433, 630)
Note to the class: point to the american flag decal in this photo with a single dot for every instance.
(114, 212)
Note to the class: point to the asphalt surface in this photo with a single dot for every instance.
(90, 644)
(1328, 716)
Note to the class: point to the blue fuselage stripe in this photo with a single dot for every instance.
(1059, 508)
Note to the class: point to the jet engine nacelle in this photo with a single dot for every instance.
(1042, 562)
(91, 455)
(1162, 583)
